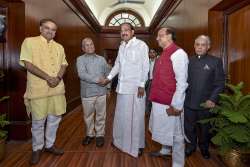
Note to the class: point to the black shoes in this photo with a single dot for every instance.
(205, 154)
(140, 152)
(99, 141)
(87, 140)
(158, 154)
(189, 151)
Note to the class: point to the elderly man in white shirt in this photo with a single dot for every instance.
(167, 95)
(132, 64)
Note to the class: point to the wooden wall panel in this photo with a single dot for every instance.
(238, 48)
(215, 30)
(14, 80)
(71, 30)
(111, 41)
(23, 21)
(228, 20)
(190, 19)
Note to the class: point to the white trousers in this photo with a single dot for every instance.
(168, 131)
(38, 130)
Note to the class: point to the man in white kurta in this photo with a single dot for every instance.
(166, 121)
(132, 64)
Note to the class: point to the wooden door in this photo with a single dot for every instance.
(229, 29)
(238, 46)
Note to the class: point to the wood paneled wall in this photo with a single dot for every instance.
(71, 30)
(238, 50)
(190, 19)
(111, 41)
(13, 83)
(228, 28)
(25, 16)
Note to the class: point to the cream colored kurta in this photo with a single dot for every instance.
(49, 57)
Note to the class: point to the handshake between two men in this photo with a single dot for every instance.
(103, 81)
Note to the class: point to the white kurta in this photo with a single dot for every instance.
(132, 64)
(169, 130)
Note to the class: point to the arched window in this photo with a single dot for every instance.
(119, 17)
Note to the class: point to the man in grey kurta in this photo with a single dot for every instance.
(91, 69)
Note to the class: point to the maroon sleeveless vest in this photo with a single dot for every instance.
(164, 82)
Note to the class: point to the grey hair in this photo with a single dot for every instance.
(205, 37)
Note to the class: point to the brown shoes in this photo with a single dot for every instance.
(99, 141)
(54, 150)
(35, 157)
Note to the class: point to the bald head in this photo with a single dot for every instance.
(202, 45)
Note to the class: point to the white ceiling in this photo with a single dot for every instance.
(102, 9)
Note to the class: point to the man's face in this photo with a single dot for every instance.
(48, 30)
(201, 46)
(163, 38)
(152, 54)
(88, 46)
(126, 32)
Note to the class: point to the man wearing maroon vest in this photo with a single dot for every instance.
(167, 95)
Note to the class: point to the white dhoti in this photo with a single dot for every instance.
(129, 126)
(168, 130)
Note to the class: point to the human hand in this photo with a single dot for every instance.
(209, 104)
(103, 81)
(140, 93)
(52, 81)
(171, 111)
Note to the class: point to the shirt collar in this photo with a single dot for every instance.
(87, 54)
(45, 40)
(200, 56)
(132, 40)
(152, 60)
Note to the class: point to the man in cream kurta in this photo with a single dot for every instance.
(44, 98)
(166, 120)
(132, 64)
